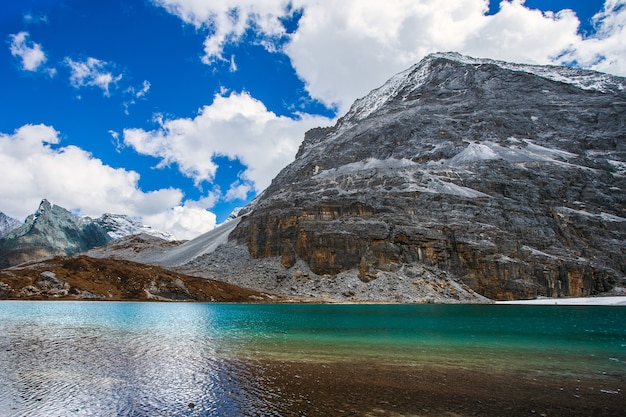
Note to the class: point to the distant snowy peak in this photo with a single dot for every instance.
(7, 224)
(417, 75)
(118, 226)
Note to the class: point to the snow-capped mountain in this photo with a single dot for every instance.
(50, 231)
(457, 175)
(412, 79)
(8, 224)
(119, 226)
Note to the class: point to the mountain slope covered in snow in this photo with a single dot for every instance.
(119, 226)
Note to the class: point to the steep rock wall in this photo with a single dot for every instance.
(511, 178)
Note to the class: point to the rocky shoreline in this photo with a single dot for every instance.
(373, 389)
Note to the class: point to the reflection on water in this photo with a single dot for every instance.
(123, 359)
(178, 359)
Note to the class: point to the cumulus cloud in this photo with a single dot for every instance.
(228, 20)
(519, 34)
(606, 50)
(236, 126)
(31, 55)
(93, 72)
(188, 220)
(344, 48)
(238, 191)
(33, 166)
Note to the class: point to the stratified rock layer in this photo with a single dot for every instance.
(509, 177)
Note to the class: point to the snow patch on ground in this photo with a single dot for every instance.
(414, 77)
(520, 151)
(118, 226)
(586, 80)
(201, 245)
(474, 152)
(619, 166)
(413, 177)
(437, 186)
(602, 216)
(584, 301)
(370, 163)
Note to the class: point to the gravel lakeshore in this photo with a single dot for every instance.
(370, 389)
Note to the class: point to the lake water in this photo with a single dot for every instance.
(151, 359)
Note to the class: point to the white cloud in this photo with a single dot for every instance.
(233, 64)
(33, 167)
(344, 48)
(135, 94)
(31, 54)
(519, 34)
(227, 20)
(116, 141)
(238, 191)
(238, 127)
(188, 220)
(606, 50)
(139, 92)
(92, 73)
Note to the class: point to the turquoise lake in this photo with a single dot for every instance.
(150, 359)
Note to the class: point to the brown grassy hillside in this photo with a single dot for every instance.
(82, 277)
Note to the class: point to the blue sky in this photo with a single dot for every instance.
(178, 111)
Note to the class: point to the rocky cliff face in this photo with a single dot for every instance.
(51, 231)
(510, 179)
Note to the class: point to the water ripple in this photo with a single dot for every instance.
(149, 359)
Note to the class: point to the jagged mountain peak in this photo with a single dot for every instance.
(405, 82)
(47, 214)
(44, 207)
(50, 231)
